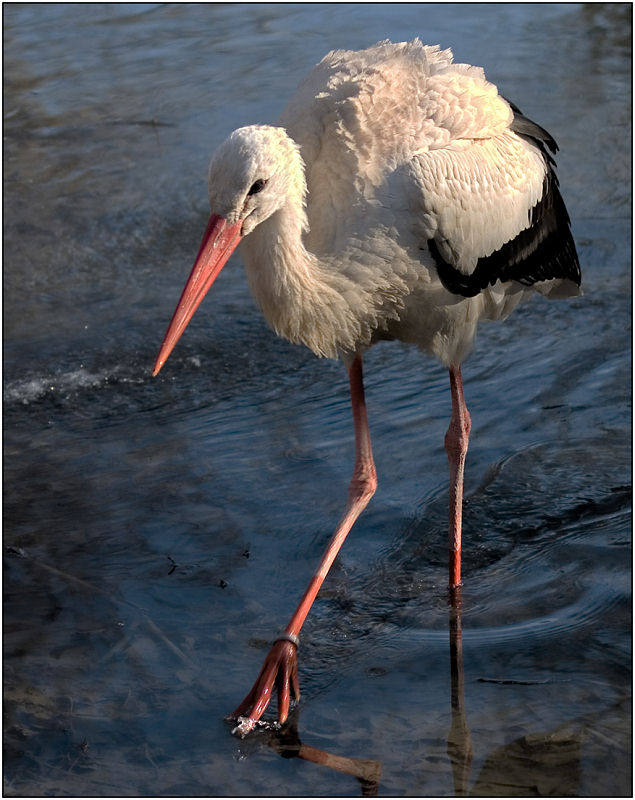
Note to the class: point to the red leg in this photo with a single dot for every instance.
(280, 668)
(456, 440)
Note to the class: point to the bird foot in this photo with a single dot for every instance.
(280, 671)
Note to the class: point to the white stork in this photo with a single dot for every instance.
(398, 197)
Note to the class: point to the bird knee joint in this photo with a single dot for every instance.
(456, 440)
(364, 483)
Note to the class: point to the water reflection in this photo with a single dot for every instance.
(286, 742)
(460, 748)
(545, 763)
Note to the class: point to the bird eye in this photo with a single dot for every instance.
(258, 186)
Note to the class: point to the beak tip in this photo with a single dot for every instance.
(219, 242)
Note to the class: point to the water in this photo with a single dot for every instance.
(158, 532)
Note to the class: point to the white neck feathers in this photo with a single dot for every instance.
(299, 296)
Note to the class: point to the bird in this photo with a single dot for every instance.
(399, 196)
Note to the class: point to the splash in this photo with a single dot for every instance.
(247, 725)
(29, 390)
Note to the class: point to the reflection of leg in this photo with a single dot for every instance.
(459, 737)
(367, 771)
(456, 440)
(280, 667)
(286, 743)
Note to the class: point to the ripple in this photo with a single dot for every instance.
(591, 607)
(543, 556)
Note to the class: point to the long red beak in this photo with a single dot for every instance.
(219, 242)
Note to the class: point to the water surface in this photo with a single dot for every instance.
(158, 532)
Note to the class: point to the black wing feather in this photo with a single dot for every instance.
(543, 251)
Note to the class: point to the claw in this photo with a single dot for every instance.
(280, 671)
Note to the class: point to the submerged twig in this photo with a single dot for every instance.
(91, 587)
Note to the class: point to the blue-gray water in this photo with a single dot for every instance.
(158, 532)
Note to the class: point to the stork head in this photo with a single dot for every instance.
(252, 175)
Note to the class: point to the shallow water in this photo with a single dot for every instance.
(158, 532)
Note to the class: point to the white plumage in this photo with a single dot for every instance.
(401, 146)
(399, 196)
